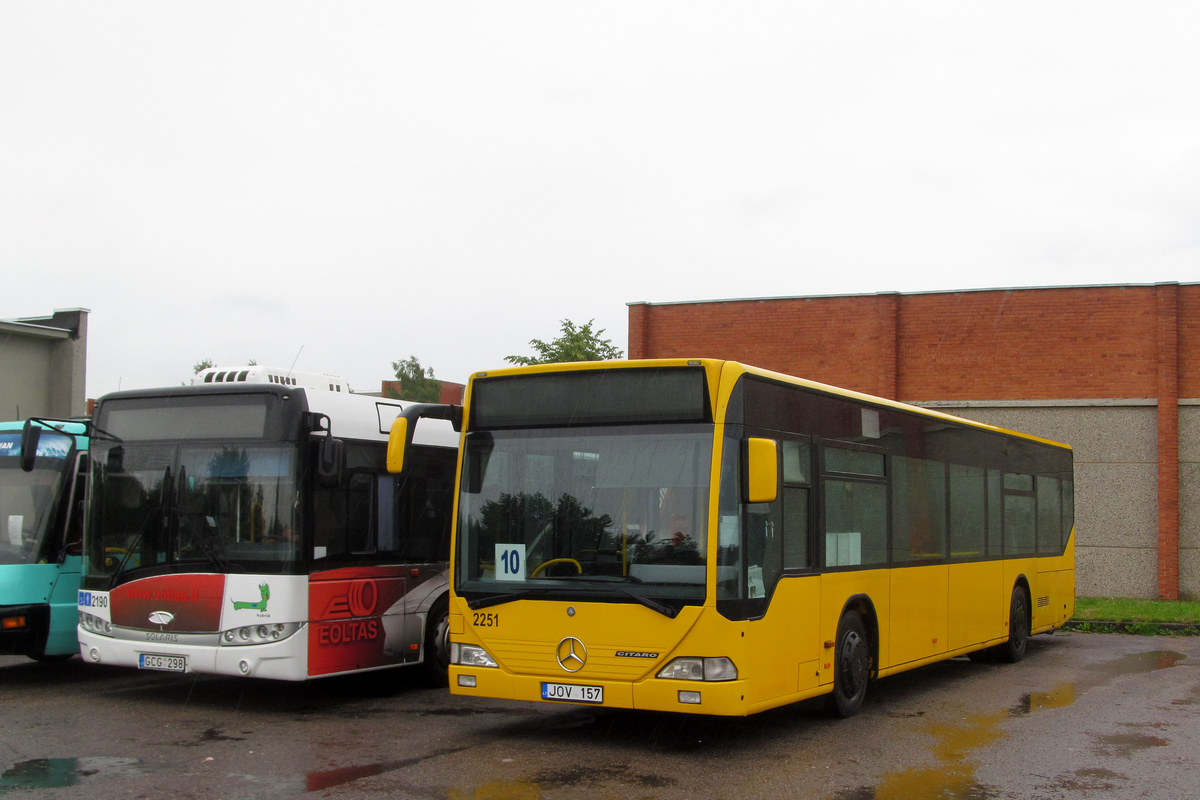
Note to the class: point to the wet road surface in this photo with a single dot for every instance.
(1083, 716)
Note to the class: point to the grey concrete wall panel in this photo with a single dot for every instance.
(1189, 573)
(1189, 506)
(1116, 572)
(1116, 505)
(44, 361)
(26, 363)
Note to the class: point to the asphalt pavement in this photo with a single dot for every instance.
(1083, 716)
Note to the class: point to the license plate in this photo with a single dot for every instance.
(162, 663)
(571, 693)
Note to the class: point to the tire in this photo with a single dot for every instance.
(1019, 625)
(436, 664)
(853, 664)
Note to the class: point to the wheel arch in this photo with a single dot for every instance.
(865, 607)
(1022, 582)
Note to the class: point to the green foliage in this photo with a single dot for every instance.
(575, 344)
(202, 365)
(416, 382)
(1115, 609)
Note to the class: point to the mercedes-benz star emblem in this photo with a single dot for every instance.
(572, 655)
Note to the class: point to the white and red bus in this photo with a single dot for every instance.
(247, 525)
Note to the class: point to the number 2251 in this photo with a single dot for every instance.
(486, 620)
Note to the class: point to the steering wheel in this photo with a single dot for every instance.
(121, 551)
(544, 564)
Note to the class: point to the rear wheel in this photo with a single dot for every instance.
(852, 666)
(437, 644)
(1019, 625)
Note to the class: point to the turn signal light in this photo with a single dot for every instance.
(12, 623)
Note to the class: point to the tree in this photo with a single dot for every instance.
(416, 382)
(202, 365)
(575, 344)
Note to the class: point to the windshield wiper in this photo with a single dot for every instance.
(164, 520)
(653, 605)
(497, 599)
(214, 558)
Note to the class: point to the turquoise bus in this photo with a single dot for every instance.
(43, 473)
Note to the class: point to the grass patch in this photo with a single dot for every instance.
(1122, 610)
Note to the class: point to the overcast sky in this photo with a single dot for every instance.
(370, 181)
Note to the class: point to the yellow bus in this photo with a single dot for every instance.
(708, 537)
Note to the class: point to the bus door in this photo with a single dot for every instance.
(782, 590)
(64, 612)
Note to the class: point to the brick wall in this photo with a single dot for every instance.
(1021, 344)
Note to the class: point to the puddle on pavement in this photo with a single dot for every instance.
(1065, 693)
(1060, 696)
(585, 780)
(56, 773)
(1088, 781)
(953, 777)
(325, 779)
(499, 790)
(328, 778)
(1124, 745)
(594, 775)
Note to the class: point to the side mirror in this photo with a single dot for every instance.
(401, 435)
(31, 434)
(331, 462)
(760, 458)
(398, 439)
(331, 453)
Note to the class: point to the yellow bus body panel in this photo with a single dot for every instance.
(978, 602)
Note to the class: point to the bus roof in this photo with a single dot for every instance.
(352, 416)
(719, 370)
(253, 373)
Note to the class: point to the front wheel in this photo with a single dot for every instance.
(852, 666)
(437, 645)
(1019, 625)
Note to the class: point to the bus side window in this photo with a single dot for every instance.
(1019, 524)
(360, 533)
(797, 481)
(73, 535)
(423, 503)
(856, 513)
(730, 574)
(968, 500)
(1049, 516)
(764, 548)
(918, 509)
(342, 518)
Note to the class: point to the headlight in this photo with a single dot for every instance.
(699, 669)
(259, 634)
(95, 624)
(468, 655)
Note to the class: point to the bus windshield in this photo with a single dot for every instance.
(210, 507)
(28, 498)
(578, 512)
